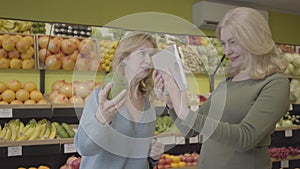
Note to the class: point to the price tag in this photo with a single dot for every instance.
(6, 113)
(284, 163)
(291, 107)
(194, 139)
(69, 148)
(166, 140)
(180, 140)
(200, 138)
(288, 133)
(194, 108)
(14, 151)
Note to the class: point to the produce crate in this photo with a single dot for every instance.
(17, 48)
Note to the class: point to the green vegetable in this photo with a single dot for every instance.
(68, 129)
(163, 123)
(60, 130)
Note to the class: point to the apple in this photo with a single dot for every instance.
(76, 163)
(162, 162)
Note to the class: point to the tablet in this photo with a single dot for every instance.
(168, 60)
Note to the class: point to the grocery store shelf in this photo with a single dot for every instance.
(295, 127)
(26, 111)
(29, 143)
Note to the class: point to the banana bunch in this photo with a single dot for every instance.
(12, 26)
(5, 133)
(40, 130)
(48, 130)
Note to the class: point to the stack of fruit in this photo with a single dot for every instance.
(16, 51)
(39, 27)
(283, 152)
(177, 161)
(57, 52)
(165, 124)
(107, 52)
(64, 130)
(293, 60)
(14, 92)
(13, 26)
(72, 30)
(39, 167)
(15, 130)
(72, 163)
(75, 92)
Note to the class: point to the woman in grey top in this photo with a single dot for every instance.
(238, 118)
(117, 133)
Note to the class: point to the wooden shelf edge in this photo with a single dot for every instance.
(167, 134)
(29, 143)
(297, 157)
(296, 127)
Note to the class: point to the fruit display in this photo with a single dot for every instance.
(107, 52)
(177, 161)
(16, 130)
(289, 120)
(283, 152)
(75, 92)
(164, 40)
(191, 60)
(293, 60)
(62, 29)
(286, 48)
(198, 40)
(38, 27)
(165, 124)
(15, 26)
(64, 130)
(17, 51)
(72, 163)
(14, 92)
(39, 167)
(68, 53)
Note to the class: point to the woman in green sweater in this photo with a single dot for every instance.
(240, 115)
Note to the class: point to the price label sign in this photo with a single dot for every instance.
(14, 151)
(180, 140)
(6, 113)
(284, 164)
(166, 140)
(69, 148)
(194, 139)
(288, 133)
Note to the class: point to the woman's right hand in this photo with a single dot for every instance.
(107, 109)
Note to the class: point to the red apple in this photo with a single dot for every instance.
(76, 163)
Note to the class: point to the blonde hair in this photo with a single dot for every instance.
(251, 31)
(128, 44)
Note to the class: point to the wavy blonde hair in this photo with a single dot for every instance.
(128, 44)
(251, 31)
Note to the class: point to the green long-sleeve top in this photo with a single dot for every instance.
(237, 121)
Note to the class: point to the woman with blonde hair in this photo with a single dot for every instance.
(240, 115)
(118, 133)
